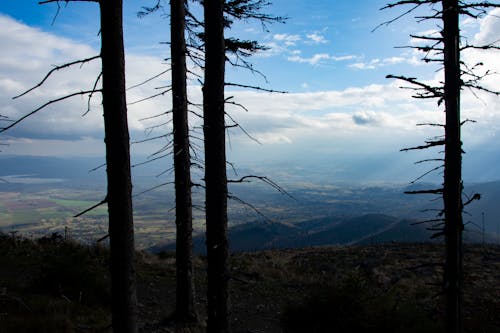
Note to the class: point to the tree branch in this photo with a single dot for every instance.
(105, 200)
(55, 69)
(47, 104)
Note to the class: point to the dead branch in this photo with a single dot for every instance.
(151, 139)
(98, 241)
(150, 97)
(47, 104)
(150, 160)
(415, 3)
(243, 202)
(435, 191)
(254, 87)
(270, 182)
(105, 200)
(428, 144)
(148, 80)
(228, 101)
(476, 196)
(97, 167)
(426, 173)
(156, 116)
(430, 124)
(55, 69)
(236, 124)
(152, 189)
(92, 94)
(435, 92)
(430, 160)
(428, 221)
(169, 170)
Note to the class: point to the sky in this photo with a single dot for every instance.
(340, 116)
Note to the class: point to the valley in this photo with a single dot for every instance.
(261, 218)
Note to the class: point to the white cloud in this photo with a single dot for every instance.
(289, 40)
(369, 118)
(361, 65)
(312, 61)
(377, 63)
(316, 38)
(317, 58)
(27, 54)
(489, 28)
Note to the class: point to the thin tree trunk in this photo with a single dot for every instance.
(121, 226)
(453, 169)
(215, 168)
(185, 311)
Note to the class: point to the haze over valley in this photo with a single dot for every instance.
(40, 196)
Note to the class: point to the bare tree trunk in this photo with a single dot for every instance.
(453, 169)
(185, 311)
(121, 226)
(215, 167)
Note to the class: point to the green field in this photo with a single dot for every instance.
(76, 206)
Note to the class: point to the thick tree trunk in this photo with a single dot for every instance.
(453, 169)
(215, 167)
(185, 311)
(121, 226)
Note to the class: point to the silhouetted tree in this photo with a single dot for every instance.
(234, 51)
(121, 226)
(446, 49)
(214, 129)
(185, 310)
(118, 198)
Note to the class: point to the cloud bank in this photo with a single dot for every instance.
(370, 119)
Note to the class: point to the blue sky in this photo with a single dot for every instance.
(340, 110)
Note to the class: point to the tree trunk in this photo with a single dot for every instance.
(215, 168)
(453, 169)
(121, 226)
(185, 311)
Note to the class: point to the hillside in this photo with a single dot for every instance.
(55, 286)
(365, 229)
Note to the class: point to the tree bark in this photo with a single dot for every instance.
(452, 195)
(215, 168)
(185, 311)
(121, 226)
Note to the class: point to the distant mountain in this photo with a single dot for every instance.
(366, 229)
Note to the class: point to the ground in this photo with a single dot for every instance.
(58, 286)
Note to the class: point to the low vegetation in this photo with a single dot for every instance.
(56, 285)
